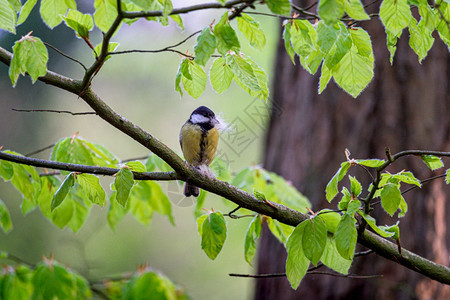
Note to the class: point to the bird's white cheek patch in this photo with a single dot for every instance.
(196, 119)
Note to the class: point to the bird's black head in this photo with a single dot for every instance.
(202, 115)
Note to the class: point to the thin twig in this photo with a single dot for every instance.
(66, 55)
(303, 11)
(56, 111)
(40, 150)
(134, 158)
(424, 181)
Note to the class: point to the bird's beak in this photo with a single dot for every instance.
(215, 121)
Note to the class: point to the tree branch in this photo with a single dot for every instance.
(42, 163)
(239, 197)
(56, 111)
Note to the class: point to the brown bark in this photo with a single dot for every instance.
(406, 106)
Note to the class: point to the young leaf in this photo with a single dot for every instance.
(325, 77)
(332, 186)
(262, 92)
(150, 284)
(79, 215)
(92, 188)
(373, 224)
(390, 198)
(371, 163)
(52, 10)
(391, 41)
(81, 23)
(250, 29)
(355, 10)
(226, 38)
(243, 71)
(195, 85)
(447, 176)
(395, 15)
(63, 190)
(355, 186)
(25, 11)
(112, 46)
(6, 170)
(159, 201)
(116, 212)
(331, 10)
(420, 39)
(433, 162)
(441, 23)
(303, 37)
(123, 183)
(297, 263)
(29, 56)
(353, 206)
(205, 47)
(253, 233)
(287, 42)
(7, 16)
(136, 166)
(214, 233)
(394, 229)
(333, 260)
(5, 218)
(331, 219)
(200, 221)
(314, 239)
(407, 177)
(220, 75)
(346, 236)
(279, 230)
(280, 7)
(105, 13)
(355, 70)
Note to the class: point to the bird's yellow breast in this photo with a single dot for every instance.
(199, 146)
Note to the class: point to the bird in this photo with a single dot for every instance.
(198, 140)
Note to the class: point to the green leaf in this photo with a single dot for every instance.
(314, 239)
(332, 186)
(447, 176)
(250, 29)
(116, 212)
(324, 78)
(123, 183)
(214, 233)
(279, 230)
(136, 166)
(16, 5)
(373, 224)
(353, 206)
(441, 23)
(394, 229)
(391, 41)
(407, 177)
(226, 38)
(29, 56)
(205, 47)
(346, 236)
(105, 13)
(355, 70)
(331, 10)
(253, 233)
(5, 218)
(112, 46)
(303, 37)
(280, 7)
(355, 186)
(287, 41)
(331, 219)
(15, 282)
(7, 16)
(297, 263)
(167, 7)
(139, 202)
(312, 62)
(81, 23)
(144, 4)
(53, 281)
(194, 79)
(150, 284)
(371, 163)
(178, 78)
(433, 162)
(200, 220)
(53, 10)
(63, 190)
(333, 260)
(428, 16)
(395, 15)
(92, 188)
(355, 10)
(243, 71)
(25, 11)
(420, 39)
(262, 92)
(221, 169)
(6, 170)
(390, 198)
(158, 200)
(338, 48)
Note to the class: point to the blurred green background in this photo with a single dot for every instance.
(141, 88)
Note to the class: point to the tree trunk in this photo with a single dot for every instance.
(406, 106)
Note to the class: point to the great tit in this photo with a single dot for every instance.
(198, 139)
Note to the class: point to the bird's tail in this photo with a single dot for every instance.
(191, 190)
